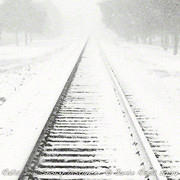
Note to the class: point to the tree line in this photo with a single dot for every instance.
(145, 20)
(25, 17)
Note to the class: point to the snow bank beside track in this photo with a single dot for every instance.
(18, 65)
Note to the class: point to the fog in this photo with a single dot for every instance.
(48, 18)
(80, 16)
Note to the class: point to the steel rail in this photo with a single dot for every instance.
(132, 118)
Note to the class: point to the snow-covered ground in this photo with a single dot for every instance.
(152, 76)
(31, 78)
(20, 63)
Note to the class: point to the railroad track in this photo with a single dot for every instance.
(92, 132)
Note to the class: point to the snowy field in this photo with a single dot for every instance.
(31, 78)
(152, 76)
(20, 63)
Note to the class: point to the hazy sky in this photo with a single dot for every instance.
(83, 15)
